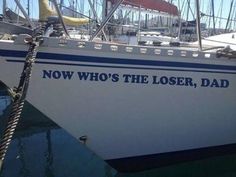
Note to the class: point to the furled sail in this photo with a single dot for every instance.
(45, 11)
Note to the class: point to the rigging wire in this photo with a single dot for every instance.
(229, 16)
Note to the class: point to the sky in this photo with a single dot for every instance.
(205, 6)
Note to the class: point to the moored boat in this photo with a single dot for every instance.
(134, 106)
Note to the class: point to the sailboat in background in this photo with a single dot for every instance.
(46, 11)
(137, 107)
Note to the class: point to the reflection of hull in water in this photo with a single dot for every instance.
(32, 122)
(45, 152)
(4, 102)
(131, 102)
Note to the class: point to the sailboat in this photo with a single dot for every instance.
(136, 107)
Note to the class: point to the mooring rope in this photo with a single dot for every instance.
(20, 93)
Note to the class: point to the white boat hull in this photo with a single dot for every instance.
(126, 116)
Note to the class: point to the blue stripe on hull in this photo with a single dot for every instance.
(123, 67)
(141, 163)
(103, 60)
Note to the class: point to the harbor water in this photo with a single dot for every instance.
(40, 148)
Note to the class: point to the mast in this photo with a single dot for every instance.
(221, 8)
(4, 6)
(76, 7)
(104, 9)
(228, 20)
(213, 16)
(82, 6)
(139, 23)
(232, 16)
(234, 20)
(180, 20)
(61, 4)
(188, 7)
(73, 5)
(28, 7)
(198, 25)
